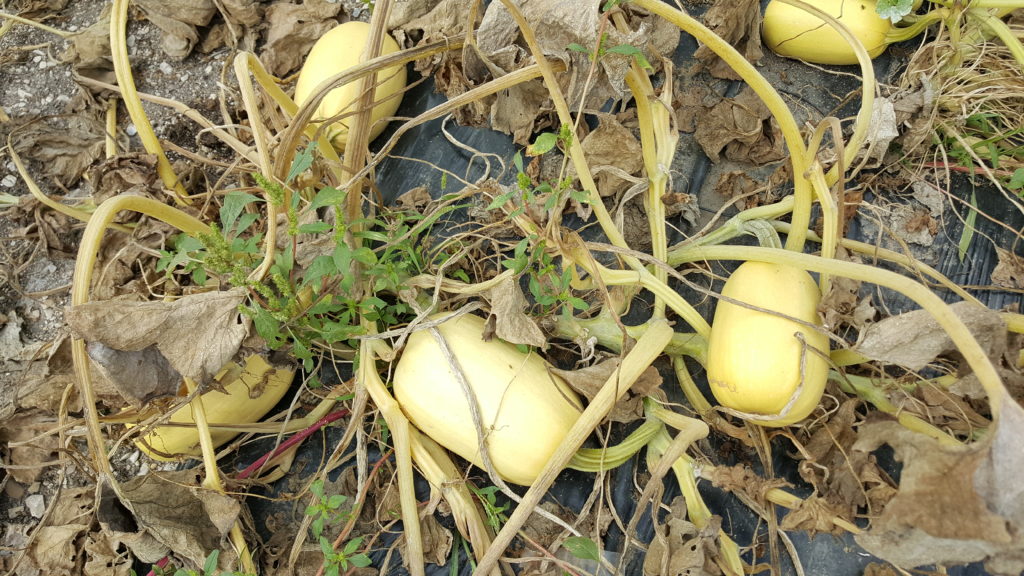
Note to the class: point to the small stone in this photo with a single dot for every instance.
(131, 130)
(15, 511)
(14, 490)
(143, 469)
(166, 68)
(8, 181)
(131, 40)
(36, 505)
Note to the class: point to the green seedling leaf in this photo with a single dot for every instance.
(1016, 182)
(968, 234)
(631, 52)
(894, 10)
(582, 548)
(314, 228)
(327, 197)
(302, 162)
(544, 143)
(575, 47)
(234, 203)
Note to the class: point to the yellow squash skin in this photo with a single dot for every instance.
(754, 357)
(235, 407)
(526, 411)
(337, 51)
(794, 33)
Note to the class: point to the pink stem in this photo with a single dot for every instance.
(161, 563)
(298, 437)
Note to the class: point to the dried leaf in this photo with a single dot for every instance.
(743, 128)
(739, 24)
(89, 51)
(1009, 271)
(27, 461)
(63, 146)
(508, 308)
(178, 21)
(955, 504)
(55, 551)
(103, 559)
(169, 508)
(678, 548)
(609, 149)
(197, 334)
(138, 375)
(292, 29)
(588, 381)
(126, 173)
(882, 130)
(914, 339)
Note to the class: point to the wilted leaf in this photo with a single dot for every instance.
(197, 334)
(743, 128)
(63, 146)
(27, 461)
(914, 339)
(178, 21)
(678, 548)
(55, 551)
(292, 29)
(955, 504)
(609, 149)
(588, 381)
(103, 559)
(188, 520)
(89, 52)
(511, 324)
(1009, 271)
(739, 24)
(138, 375)
(132, 171)
(882, 130)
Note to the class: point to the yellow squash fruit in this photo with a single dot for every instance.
(795, 33)
(251, 392)
(755, 358)
(525, 409)
(335, 52)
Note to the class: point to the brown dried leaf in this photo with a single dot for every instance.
(1009, 271)
(914, 339)
(169, 508)
(89, 51)
(138, 375)
(130, 172)
(27, 461)
(814, 515)
(55, 550)
(178, 20)
(743, 128)
(63, 146)
(955, 504)
(437, 541)
(588, 381)
(102, 557)
(608, 149)
(678, 549)
(197, 334)
(292, 29)
(840, 303)
(511, 324)
(739, 24)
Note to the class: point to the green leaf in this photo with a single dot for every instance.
(234, 203)
(325, 547)
(335, 501)
(968, 234)
(578, 48)
(210, 566)
(360, 560)
(631, 52)
(314, 228)
(301, 163)
(582, 548)
(894, 10)
(1016, 182)
(544, 143)
(327, 197)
